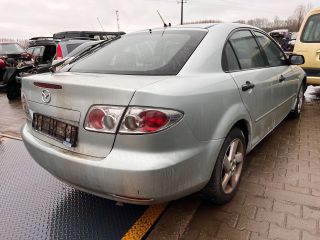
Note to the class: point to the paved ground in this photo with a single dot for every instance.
(279, 195)
(11, 117)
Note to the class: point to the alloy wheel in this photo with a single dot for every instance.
(232, 166)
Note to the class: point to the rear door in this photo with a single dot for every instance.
(308, 44)
(256, 82)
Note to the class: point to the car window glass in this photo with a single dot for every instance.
(311, 31)
(145, 53)
(10, 48)
(229, 59)
(30, 50)
(247, 50)
(37, 51)
(71, 46)
(274, 55)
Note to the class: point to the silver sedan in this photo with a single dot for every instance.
(159, 114)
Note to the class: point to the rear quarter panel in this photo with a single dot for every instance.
(211, 102)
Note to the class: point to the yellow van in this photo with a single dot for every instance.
(308, 45)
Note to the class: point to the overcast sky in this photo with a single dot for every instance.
(29, 18)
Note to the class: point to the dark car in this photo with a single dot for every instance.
(11, 55)
(98, 35)
(42, 48)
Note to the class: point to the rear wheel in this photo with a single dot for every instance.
(299, 102)
(226, 174)
(13, 91)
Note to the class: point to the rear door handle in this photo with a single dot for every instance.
(248, 85)
(282, 78)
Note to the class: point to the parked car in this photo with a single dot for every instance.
(308, 44)
(42, 48)
(291, 41)
(59, 64)
(160, 114)
(98, 35)
(43, 51)
(16, 54)
(12, 56)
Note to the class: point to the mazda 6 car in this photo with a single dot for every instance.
(160, 114)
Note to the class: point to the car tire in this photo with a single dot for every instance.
(13, 91)
(227, 172)
(294, 114)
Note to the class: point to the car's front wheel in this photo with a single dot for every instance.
(227, 172)
(295, 113)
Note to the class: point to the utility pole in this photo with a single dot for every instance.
(118, 21)
(100, 23)
(182, 2)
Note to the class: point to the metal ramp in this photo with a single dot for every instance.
(35, 205)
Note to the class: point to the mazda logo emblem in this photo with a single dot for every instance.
(46, 96)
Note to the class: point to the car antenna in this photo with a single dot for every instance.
(164, 23)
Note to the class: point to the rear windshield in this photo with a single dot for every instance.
(10, 48)
(311, 31)
(147, 53)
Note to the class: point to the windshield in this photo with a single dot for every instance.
(311, 31)
(147, 53)
(10, 48)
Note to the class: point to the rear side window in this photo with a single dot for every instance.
(247, 50)
(30, 50)
(71, 46)
(147, 53)
(311, 30)
(229, 59)
(37, 51)
(274, 55)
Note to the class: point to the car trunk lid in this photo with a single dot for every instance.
(71, 96)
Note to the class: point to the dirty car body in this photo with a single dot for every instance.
(147, 115)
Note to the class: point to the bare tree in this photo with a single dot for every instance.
(299, 14)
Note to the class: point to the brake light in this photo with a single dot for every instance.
(2, 64)
(139, 120)
(136, 120)
(47, 85)
(103, 118)
(59, 52)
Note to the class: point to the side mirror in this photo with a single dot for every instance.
(37, 60)
(295, 59)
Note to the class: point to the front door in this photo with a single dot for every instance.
(288, 80)
(256, 83)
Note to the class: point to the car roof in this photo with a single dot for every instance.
(202, 26)
(315, 10)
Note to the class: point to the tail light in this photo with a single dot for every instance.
(59, 52)
(136, 120)
(103, 118)
(2, 64)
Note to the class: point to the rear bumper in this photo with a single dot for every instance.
(313, 76)
(129, 176)
(313, 81)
